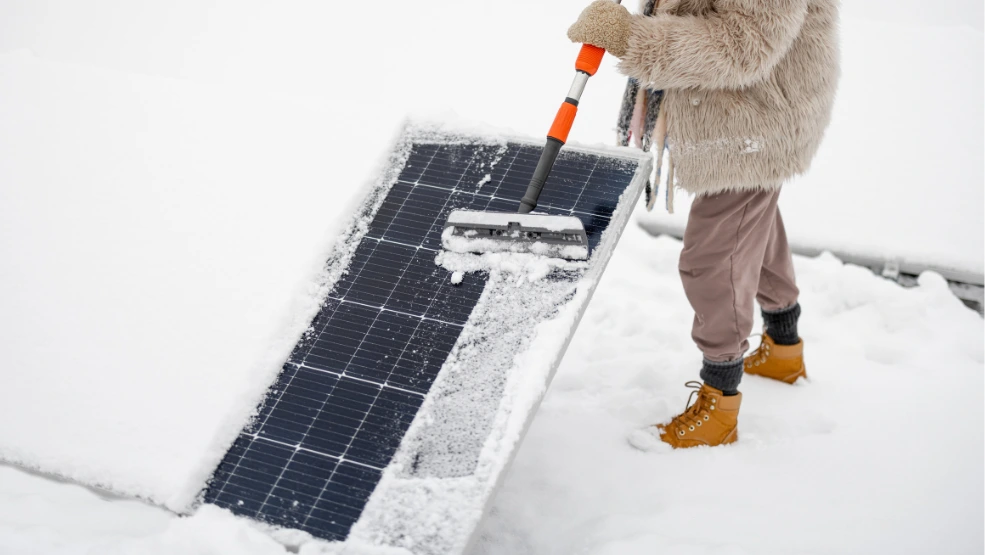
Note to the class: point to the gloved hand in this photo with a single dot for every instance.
(604, 24)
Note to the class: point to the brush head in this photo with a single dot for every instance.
(542, 234)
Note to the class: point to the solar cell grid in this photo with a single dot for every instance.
(351, 388)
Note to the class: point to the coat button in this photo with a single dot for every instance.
(695, 101)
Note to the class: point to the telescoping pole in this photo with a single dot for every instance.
(588, 62)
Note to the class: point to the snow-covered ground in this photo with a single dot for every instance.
(163, 166)
(881, 452)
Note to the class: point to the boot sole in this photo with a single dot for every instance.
(732, 437)
(793, 378)
(802, 373)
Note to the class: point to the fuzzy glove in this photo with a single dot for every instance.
(604, 24)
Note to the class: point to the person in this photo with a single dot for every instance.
(749, 86)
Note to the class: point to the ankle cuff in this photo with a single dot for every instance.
(781, 325)
(724, 376)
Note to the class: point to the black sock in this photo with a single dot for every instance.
(724, 376)
(781, 325)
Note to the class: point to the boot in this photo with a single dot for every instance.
(711, 420)
(779, 362)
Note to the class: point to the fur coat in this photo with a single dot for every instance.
(749, 86)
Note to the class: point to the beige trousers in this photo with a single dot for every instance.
(735, 250)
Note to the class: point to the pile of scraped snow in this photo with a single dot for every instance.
(881, 451)
(523, 267)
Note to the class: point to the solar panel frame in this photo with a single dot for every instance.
(358, 305)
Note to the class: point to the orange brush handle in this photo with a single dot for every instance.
(563, 121)
(589, 59)
(588, 62)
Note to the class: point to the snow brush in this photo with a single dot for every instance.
(524, 231)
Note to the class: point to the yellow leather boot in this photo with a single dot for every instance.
(711, 420)
(779, 362)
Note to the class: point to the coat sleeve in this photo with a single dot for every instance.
(733, 47)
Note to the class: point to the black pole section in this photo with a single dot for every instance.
(544, 166)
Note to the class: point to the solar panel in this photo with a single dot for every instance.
(350, 391)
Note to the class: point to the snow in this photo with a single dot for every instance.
(167, 165)
(175, 255)
(465, 243)
(39, 516)
(881, 451)
(521, 267)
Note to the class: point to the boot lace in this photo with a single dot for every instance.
(694, 416)
(761, 353)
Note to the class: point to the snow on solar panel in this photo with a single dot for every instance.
(400, 357)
